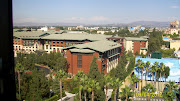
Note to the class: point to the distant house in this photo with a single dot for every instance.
(136, 44)
(175, 44)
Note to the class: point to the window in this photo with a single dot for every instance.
(53, 45)
(61, 45)
(79, 61)
(61, 42)
(57, 41)
(53, 41)
(46, 46)
(57, 45)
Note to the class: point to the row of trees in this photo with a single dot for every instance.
(92, 85)
(158, 71)
(31, 83)
(29, 60)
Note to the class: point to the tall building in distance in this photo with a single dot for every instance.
(174, 28)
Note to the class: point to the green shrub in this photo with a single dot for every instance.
(56, 97)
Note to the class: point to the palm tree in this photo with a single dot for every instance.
(93, 85)
(166, 72)
(138, 64)
(147, 70)
(84, 81)
(149, 89)
(61, 75)
(152, 69)
(156, 67)
(142, 69)
(126, 92)
(161, 70)
(18, 69)
(107, 79)
(170, 94)
(115, 83)
(134, 79)
(78, 77)
(171, 85)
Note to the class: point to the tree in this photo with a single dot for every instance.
(147, 69)
(155, 40)
(171, 86)
(107, 79)
(120, 68)
(61, 75)
(140, 65)
(38, 86)
(166, 72)
(115, 83)
(95, 74)
(171, 91)
(85, 81)
(126, 93)
(152, 69)
(134, 79)
(93, 85)
(18, 69)
(78, 77)
(156, 68)
(149, 89)
(161, 70)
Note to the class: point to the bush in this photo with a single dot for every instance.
(56, 97)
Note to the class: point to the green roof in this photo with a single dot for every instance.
(76, 36)
(135, 39)
(29, 35)
(82, 50)
(101, 46)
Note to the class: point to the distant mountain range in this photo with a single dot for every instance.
(142, 23)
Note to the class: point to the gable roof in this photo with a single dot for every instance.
(101, 46)
(76, 36)
(30, 35)
(136, 39)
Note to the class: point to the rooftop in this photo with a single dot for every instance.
(136, 39)
(101, 46)
(76, 36)
(82, 50)
(30, 35)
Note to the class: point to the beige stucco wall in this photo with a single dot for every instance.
(172, 31)
(128, 45)
(175, 44)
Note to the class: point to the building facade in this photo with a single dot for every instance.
(80, 56)
(136, 45)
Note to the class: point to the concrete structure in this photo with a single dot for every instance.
(43, 29)
(101, 32)
(175, 44)
(136, 44)
(80, 56)
(174, 28)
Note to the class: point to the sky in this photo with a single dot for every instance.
(95, 11)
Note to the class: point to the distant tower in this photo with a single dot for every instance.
(174, 27)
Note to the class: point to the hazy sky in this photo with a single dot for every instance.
(95, 11)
